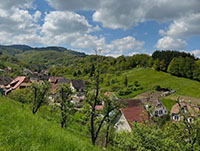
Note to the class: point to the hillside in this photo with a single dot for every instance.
(46, 59)
(20, 130)
(148, 79)
(18, 49)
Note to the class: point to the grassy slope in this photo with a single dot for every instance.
(148, 78)
(20, 130)
(168, 103)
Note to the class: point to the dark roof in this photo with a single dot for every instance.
(134, 111)
(5, 80)
(43, 77)
(78, 84)
(67, 81)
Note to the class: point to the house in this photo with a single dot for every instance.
(18, 83)
(27, 72)
(54, 79)
(54, 82)
(34, 77)
(4, 81)
(77, 85)
(155, 107)
(178, 110)
(63, 81)
(133, 111)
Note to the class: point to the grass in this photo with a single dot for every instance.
(22, 131)
(168, 103)
(149, 78)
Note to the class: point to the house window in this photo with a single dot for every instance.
(176, 117)
(190, 120)
(183, 109)
(156, 113)
(160, 112)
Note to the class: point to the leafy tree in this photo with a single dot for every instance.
(65, 102)
(21, 95)
(125, 81)
(196, 72)
(79, 72)
(40, 95)
(74, 74)
(156, 65)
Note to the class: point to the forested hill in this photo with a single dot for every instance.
(19, 49)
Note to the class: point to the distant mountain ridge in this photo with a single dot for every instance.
(18, 49)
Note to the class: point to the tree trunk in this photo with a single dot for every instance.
(107, 133)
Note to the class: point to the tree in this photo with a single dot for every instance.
(40, 94)
(65, 102)
(79, 72)
(93, 98)
(156, 65)
(125, 81)
(74, 74)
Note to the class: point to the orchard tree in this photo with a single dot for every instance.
(66, 106)
(93, 99)
(40, 95)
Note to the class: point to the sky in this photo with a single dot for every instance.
(117, 27)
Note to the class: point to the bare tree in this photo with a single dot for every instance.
(40, 91)
(65, 102)
(93, 98)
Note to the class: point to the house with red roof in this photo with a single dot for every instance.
(18, 83)
(181, 109)
(133, 111)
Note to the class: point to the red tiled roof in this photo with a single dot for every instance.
(176, 109)
(18, 81)
(99, 107)
(134, 111)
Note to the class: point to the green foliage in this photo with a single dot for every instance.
(168, 103)
(182, 67)
(125, 80)
(172, 137)
(20, 130)
(22, 95)
(168, 56)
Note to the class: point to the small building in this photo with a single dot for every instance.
(155, 107)
(133, 111)
(54, 79)
(18, 83)
(77, 85)
(27, 72)
(4, 81)
(34, 77)
(178, 111)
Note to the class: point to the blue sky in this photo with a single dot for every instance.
(114, 26)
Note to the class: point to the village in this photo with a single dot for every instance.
(146, 107)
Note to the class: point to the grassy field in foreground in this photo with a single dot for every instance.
(22, 131)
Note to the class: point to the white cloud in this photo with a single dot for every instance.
(185, 26)
(64, 27)
(125, 14)
(169, 43)
(17, 24)
(196, 52)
